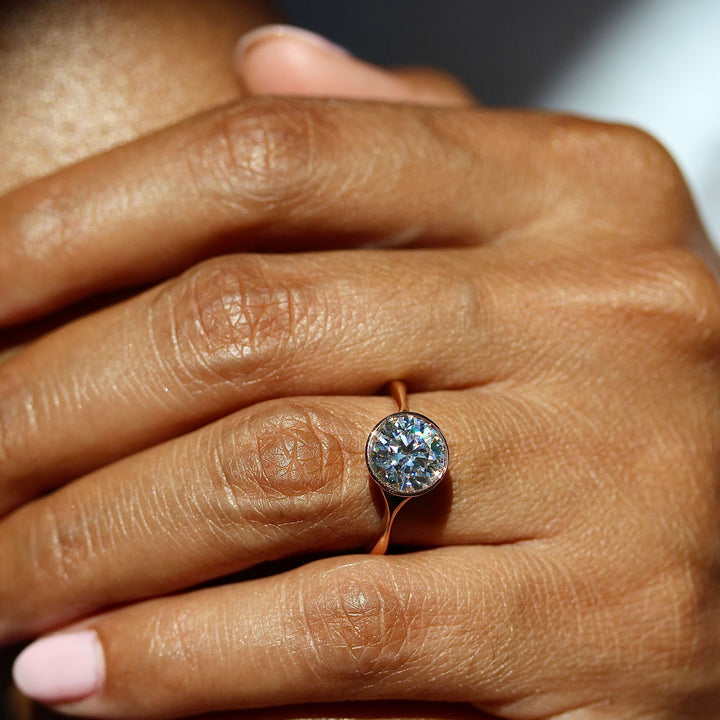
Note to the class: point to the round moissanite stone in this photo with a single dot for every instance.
(407, 454)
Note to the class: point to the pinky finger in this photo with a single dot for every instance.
(417, 627)
(377, 710)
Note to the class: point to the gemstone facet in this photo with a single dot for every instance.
(407, 454)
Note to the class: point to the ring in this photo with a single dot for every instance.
(407, 456)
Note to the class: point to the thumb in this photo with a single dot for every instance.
(284, 60)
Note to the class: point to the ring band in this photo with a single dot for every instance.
(407, 456)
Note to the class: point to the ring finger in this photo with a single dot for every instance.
(275, 480)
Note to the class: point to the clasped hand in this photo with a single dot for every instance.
(530, 277)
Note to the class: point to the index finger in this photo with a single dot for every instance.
(269, 174)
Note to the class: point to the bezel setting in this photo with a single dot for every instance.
(407, 454)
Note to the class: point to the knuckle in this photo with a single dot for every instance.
(620, 151)
(629, 172)
(60, 543)
(360, 625)
(228, 319)
(259, 152)
(644, 157)
(654, 181)
(298, 451)
(682, 293)
(301, 456)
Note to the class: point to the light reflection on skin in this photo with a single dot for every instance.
(79, 77)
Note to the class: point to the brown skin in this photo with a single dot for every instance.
(577, 376)
(79, 77)
(67, 96)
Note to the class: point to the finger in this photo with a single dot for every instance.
(431, 86)
(284, 60)
(239, 330)
(282, 479)
(355, 628)
(273, 173)
(382, 710)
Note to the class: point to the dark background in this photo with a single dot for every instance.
(504, 50)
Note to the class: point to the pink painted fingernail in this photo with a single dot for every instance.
(61, 668)
(286, 32)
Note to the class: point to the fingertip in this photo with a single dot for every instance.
(284, 60)
(262, 57)
(61, 669)
(287, 32)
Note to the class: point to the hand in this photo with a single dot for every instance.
(66, 236)
(407, 84)
(573, 565)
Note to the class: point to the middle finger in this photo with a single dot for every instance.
(241, 329)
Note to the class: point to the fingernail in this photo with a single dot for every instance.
(284, 60)
(286, 32)
(61, 668)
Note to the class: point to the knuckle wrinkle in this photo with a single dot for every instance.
(259, 153)
(360, 625)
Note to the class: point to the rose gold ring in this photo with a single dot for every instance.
(407, 456)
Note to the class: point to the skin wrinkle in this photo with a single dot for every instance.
(647, 638)
(236, 323)
(579, 319)
(457, 590)
(353, 641)
(182, 369)
(225, 643)
(197, 158)
(145, 508)
(149, 356)
(245, 494)
(177, 643)
(174, 373)
(185, 494)
(217, 328)
(228, 489)
(278, 468)
(258, 158)
(199, 507)
(220, 506)
(65, 550)
(39, 544)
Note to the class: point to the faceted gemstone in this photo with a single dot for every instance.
(406, 453)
